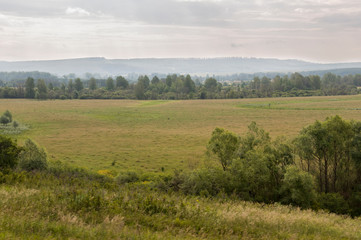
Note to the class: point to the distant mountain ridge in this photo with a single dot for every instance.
(201, 66)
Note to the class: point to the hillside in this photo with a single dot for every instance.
(217, 66)
(66, 203)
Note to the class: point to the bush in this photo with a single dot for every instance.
(333, 202)
(4, 120)
(127, 177)
(298, 188)
(9, 152)
(8, 114)
(15, 124)
(208, 182)
(355, 203)
(32, 157)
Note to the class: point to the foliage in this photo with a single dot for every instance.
(6, 118)
(333, 202)
(32, 157)
(224, 145)
(127, 177)
(15, 124)
(8, 114)
(110, 84)
(29, 88)
(298, 188)
(66, 203)
(184, 87)
(9, 152)
(208, 182)
(325, 147)
(42, 90)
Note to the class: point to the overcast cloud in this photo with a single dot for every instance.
(315, 30)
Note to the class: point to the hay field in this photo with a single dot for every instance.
(148, 135)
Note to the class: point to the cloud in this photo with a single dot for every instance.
(77, 12)
(187, 28)
(237, 45)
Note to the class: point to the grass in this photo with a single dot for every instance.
(72, 204)
(145, 136)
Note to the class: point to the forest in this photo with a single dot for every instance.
(181, 87)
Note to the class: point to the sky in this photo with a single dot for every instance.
(311, 30)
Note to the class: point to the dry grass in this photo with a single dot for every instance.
(149, 135)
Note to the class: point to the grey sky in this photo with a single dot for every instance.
(315, 30)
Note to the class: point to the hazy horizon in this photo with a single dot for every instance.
(322, 31)
(201, 58)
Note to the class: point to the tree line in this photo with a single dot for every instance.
(184, 87)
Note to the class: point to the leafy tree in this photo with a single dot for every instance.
(139, 90)
(223, 144)
(9, 152)
(92, 84)
(70, 86)
(42, 89)
(110, 84)
(50, 86)
(170, 79)
(144, 80)
(32, 157)
(261, 164)
(30, 88)
(78, 85)
(63, 88)
(155, 80)
(189, 85)
(121, 82)
(210, 84)
(326, 147)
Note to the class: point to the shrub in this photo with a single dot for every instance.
(208, 182)
(355, 203)
(298, 188)
(32, 157)
(9, 152)
(15, 124)
(333, 202)
(4, 120)
(127, 177)
(8, 115)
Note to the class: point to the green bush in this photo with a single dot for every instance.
(15, 124)
(4, 120)
(32, 157)
(333, 202)
(298, 188)
(208, 182)
(8, 114)
(355, 203)
(9, 152)
(127, 177)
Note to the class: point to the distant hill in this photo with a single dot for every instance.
(194, 66)
(16, 76)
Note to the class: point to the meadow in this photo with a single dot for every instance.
(150, 136)
(64, 203)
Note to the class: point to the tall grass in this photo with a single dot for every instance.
(67, 203)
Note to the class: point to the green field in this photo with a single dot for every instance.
(149, 135)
